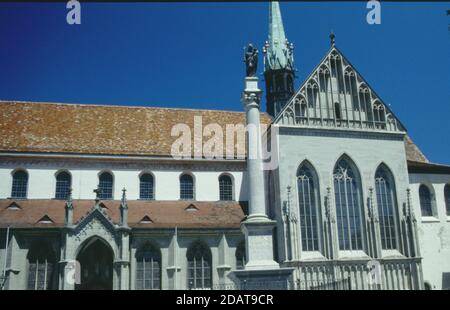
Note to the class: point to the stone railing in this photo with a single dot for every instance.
(358, 274)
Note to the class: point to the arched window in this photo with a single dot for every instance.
(447, 198)
(386, 203)
(309, 208)
(63, 185)
(148, 268)
(225, 187)
(146, 187)
(41, 263)
(348, 206)
(106, 185)
(19, 184)
(186, 187)
(241, 258)
(199, 266)
(425, 201)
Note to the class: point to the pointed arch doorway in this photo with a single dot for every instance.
(96, 262)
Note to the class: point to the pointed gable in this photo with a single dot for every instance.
(336, 95)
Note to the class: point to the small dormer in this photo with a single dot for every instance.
(146, 220)
(13, 206)
(45, 220)
(191, 208)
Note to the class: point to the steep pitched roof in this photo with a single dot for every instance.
(413, 153)
(95, 129)
(163, 214)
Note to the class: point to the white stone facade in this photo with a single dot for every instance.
(434, 231)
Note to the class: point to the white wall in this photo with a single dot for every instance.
(323, 149)
(434, 232)
(41, 184)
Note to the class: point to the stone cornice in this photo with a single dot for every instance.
(71, 163)
(337, 132)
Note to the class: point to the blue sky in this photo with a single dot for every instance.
(190, 55)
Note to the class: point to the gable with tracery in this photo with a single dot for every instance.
(336, 95)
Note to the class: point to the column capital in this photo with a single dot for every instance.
(251, 97)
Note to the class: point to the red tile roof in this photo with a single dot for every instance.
(163, 214)
(96, 129)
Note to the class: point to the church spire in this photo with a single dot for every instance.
(278, 51)
(279, 69)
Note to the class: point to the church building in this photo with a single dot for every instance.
(349, 200)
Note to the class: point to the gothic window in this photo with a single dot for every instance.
(146, 187)
(63, 185)
(364, 99)
(447, 198)
(333, 66)
(41, 263)
(303, 108)
(348, 82)
(309, 208)
(19, 184)
(310, 95)
(379, 115)
(324, 77)
(337, 110)
(199, 266)
(225, 187)
(106, 185)
(349, 207)
(354, 91)
(148, 268)
(340, 78)
(386, 203)
(186, 187)
(300, 108)
(425, 201)
(241, 259)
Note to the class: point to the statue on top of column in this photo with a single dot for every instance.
(251, 60)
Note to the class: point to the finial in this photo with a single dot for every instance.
(332, 38)
(97, 192)
(69, 195)
(124, 195)
(265, 47)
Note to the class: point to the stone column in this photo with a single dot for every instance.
(123, 263)
(251, 99)
(257, 227)
(69, 270)
(261, 271)
(68, 267)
